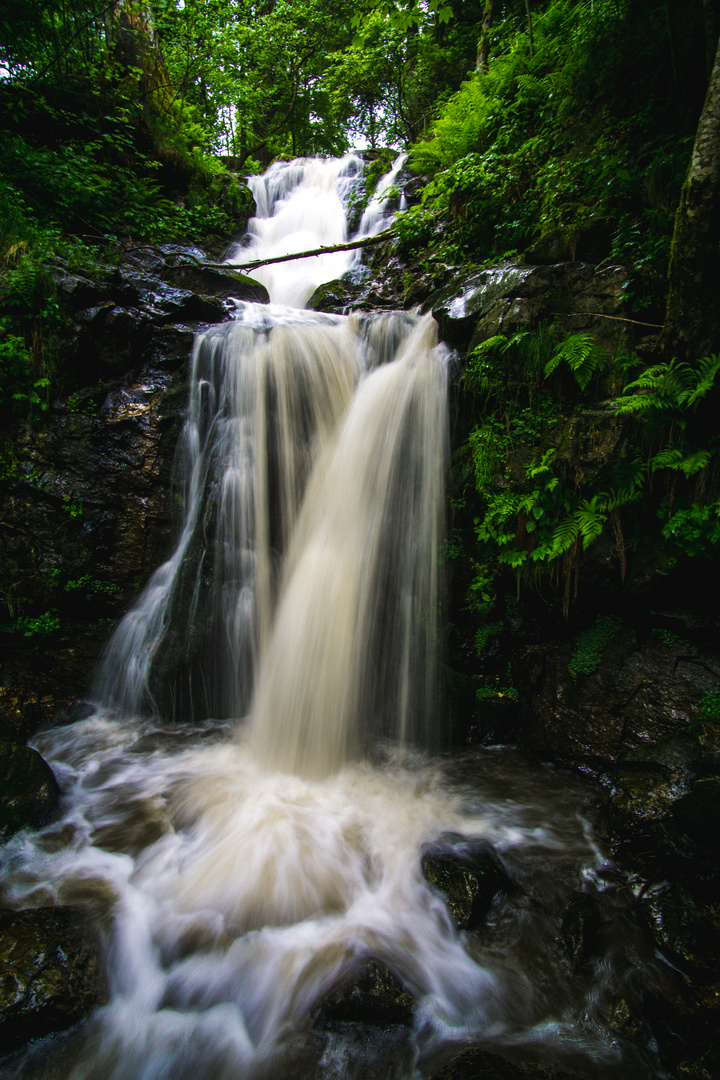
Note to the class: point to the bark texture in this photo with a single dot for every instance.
(692, 326)
(484, 42)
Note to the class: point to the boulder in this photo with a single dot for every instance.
(50, 974)
(468, 875)
(334, 296)
(210, 281)
(370, 994)
(28, 790)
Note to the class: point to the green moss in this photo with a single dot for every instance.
(710, 706)
(591, 643)
(673, 641)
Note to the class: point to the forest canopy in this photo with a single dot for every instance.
(564, 123)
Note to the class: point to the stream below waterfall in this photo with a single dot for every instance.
(246, 812)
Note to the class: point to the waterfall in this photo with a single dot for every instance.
(375, 216)
(301, 206)
(245, 813)
(353, 647)
(311, 465)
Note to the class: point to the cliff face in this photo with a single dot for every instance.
(87, 503)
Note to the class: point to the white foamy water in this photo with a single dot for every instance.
(233, 897)
(301, 206)
(245, 815)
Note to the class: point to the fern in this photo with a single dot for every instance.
(565, 535)
(672, 458)
(672, 388)
(581, 355)
(591, 517)
(704, 375)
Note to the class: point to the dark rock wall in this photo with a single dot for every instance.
(87, 509)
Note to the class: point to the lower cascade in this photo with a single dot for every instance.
(252, 814)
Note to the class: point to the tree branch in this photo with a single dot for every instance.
(349, 246)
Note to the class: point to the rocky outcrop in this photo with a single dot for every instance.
(468, 875)
(50, 974)
(504, 299)
(86, 509)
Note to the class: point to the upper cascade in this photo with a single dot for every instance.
(302, 205)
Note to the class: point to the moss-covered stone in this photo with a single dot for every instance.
(28, 790)
(370, 995)
(468, 876)
(50, 974)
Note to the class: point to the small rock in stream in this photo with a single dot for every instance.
(469, 876)
(50, 973)
(371, 995)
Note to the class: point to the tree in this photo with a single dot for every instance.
(484, 41)
(692, 325)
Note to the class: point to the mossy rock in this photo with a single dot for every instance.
(468, 876)
(28, 790)
(50, 974)
(211, 281)
(370, 995)
(332, 297)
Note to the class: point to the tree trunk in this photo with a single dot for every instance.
(481, 64)
(692, 323)
(530, 29)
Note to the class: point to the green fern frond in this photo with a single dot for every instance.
(498, 341)
(581, 355)
(672, 458)
(706, 373)
(669, 458)
(695, 463)
(565, 535)
(591, 517)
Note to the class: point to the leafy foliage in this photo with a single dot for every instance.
(578, 139)
(667, 388)
(581, 354)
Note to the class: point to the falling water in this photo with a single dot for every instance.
(245, 813)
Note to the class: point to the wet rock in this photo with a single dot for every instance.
(50, 973)
(468, 875)
(684, 924)
(579, 929)
(458, 307)
(335, 296)
(88, 517)
(28, 790)
(76, 292)
(370, 995)
(503, 299)
(640, 696)
(474, 1064)
(210, 281)
(20, 715)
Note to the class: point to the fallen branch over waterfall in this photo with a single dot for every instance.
(349, 246)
